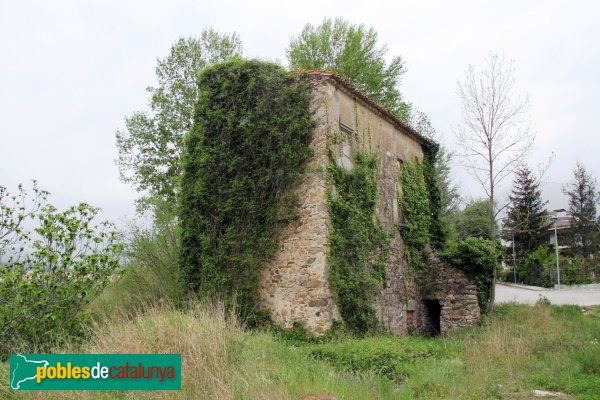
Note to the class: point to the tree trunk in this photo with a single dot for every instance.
(492, 234)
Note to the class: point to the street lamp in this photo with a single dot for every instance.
(555, 218)
(514, 256)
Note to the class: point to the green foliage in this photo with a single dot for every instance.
(358, 243)
(526, 221)
(474, 220)
(250, 137)
(584, 235)
(474, 257)
(15, 210)
(437, 228)
(390, 357)
(59, 269)
(538, 268)
(443, 194)
(353, 52)
(150, 274)
(151, 146)
(415, 204)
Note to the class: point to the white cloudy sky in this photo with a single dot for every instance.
(71, 70)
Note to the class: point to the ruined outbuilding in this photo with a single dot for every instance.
(294, 284)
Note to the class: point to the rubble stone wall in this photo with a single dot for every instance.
(294, 284)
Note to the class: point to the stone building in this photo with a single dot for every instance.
(294, 284)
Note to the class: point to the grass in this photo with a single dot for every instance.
(220, 360)
(519, 349)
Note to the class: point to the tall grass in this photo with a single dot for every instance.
(150, 275)
(517, 350)
(220, 360)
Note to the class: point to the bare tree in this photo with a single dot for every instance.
(495, 134)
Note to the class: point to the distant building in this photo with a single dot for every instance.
(563, 219)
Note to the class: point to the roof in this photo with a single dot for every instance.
(347, 85)
(561, 217)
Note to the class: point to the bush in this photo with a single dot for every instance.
(150, 274)
(54, 273)
(474, 257)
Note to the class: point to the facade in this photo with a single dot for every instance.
(294, 285)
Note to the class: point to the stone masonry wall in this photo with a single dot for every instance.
(362, 127)
(294, 284)
(456, 294)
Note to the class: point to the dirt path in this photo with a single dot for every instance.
(582, 295)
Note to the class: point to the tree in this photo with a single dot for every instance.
(58, 269)
(450, 196)
(473, 220)
(151, 146)
(352, 51)
(583, 196)
(526, 222)
(495, 133)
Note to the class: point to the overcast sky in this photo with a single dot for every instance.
(71, 70)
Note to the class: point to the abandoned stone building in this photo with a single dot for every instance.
(294, 284)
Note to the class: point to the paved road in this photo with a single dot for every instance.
(583, 295)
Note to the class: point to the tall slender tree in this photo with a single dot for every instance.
(495, 134)
(583, 195)
(151, 145)
(526, 222)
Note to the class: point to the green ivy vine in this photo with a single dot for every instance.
(359, 245)
(245, 151)
(437, 230)
(416, 211)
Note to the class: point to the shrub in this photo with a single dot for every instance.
(57, 270)
(150, 274)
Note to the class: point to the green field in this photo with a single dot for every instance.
(520, 349)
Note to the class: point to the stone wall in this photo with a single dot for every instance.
(457, 296)
(294, 285)
(362, 127)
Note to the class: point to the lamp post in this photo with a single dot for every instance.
(556, 248)
(514, 257)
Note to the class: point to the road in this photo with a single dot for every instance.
(582, 295)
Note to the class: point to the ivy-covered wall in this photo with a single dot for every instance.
(341, 258)
(242, 158)
(292, 202)
(359, 244)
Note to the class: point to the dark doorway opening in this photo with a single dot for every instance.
(432, 313)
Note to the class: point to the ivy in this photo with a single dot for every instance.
(474, 257)
(250, 137)
(359, 244)
(416, 210)
(437, 230)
